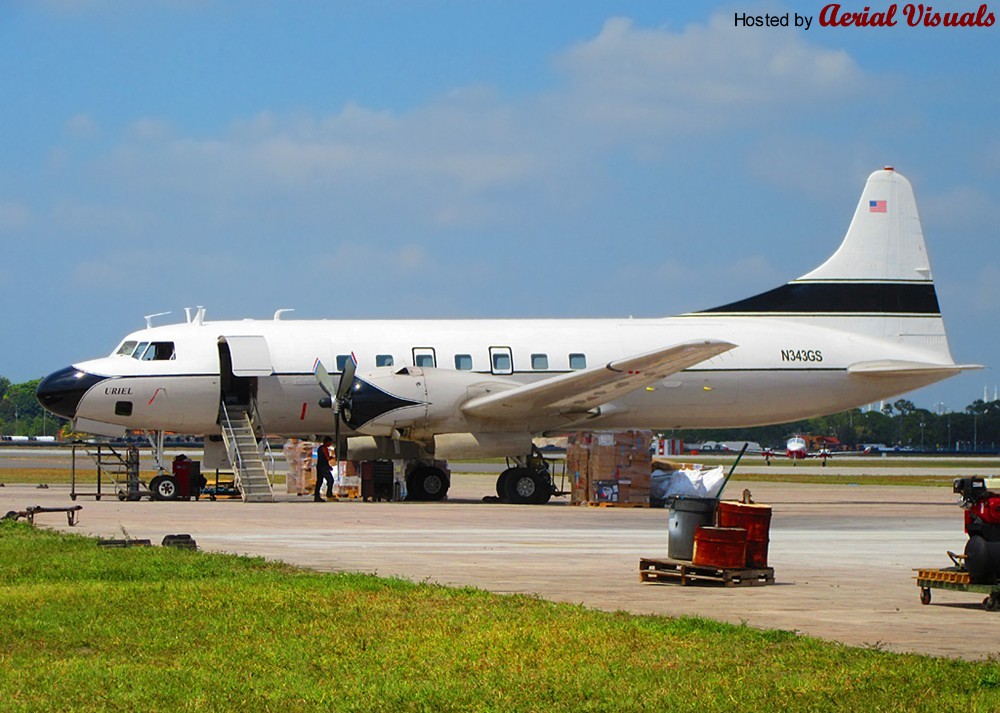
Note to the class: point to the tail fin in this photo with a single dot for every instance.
(879, 274)
(877, 284)
(884, 242)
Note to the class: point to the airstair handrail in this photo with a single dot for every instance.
(256, 421)
(231, 449)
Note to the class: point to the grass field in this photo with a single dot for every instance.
(161, 629)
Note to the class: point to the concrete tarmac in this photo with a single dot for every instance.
(843, 555)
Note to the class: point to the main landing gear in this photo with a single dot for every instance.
(428, 482)
(527, 480)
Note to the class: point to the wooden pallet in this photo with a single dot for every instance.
(685, 573)
(604, 504)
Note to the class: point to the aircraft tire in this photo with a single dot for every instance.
(543, 488)
(163, 487)
(523, 486)
(502, 484)
(427, 484)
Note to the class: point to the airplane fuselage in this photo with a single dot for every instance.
(783, 369)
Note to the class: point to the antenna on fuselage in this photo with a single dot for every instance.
(278, 313)
(149, 318)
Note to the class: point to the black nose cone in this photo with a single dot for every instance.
(366, 402)
(60, 392)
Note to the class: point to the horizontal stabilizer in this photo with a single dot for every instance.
(896, 367)
(580, 391)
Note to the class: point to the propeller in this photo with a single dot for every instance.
(339, 397)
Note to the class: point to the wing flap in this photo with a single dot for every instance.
(580, 391)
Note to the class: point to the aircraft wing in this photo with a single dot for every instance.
(580, 391)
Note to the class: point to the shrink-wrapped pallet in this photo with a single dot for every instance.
(300, 457)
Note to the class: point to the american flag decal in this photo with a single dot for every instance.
(876, 206)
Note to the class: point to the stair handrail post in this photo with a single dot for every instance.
(231, 448)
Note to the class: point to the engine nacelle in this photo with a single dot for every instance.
(415, 402)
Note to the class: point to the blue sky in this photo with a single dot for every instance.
(467, 159)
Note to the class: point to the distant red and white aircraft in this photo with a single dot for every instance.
(796, 448)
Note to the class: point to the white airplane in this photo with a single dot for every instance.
(862, 327)
(796, 449)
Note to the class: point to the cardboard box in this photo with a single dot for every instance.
(606, 491)
(606, 464)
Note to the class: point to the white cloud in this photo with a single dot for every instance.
(150, 129)
(705, 77)
(468, 158)
(83, 126)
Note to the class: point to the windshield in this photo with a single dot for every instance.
(126, 348)
(147, 351)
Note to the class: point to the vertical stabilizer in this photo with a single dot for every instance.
(877, 284)
(880, 271)
(884, 241)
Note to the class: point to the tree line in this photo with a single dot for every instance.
(898, 425)
(21, 414)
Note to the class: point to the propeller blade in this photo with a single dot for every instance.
(323, 377)
(346, 379)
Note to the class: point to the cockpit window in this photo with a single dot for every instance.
(126, 348)
(147, 351)
(158, 351)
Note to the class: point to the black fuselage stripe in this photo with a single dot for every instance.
(872, 298)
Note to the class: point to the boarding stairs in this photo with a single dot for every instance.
(122, 469)
(117, 466)
(244, 450)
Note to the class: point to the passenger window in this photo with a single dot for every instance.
(383, 360)
(501, 362)
(342, 361)
(463, 362)
(424, 357)
(577, 361)
(539, 361)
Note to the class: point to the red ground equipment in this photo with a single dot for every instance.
(981, 502)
